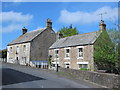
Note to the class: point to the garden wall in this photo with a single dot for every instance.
(104, 79)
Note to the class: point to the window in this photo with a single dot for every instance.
(80, 52)
(67, 53)
(10, 49)
(17, 49)
(24, 60)
(24, 48)
(67, 66)
(56, 53)
(83, 65)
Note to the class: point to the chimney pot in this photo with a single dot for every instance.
(60, 35)
(49, 23)
(102, 25)
(24, 30)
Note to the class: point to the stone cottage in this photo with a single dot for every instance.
(31, 48)
(76, 51)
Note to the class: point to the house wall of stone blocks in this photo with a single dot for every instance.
(87, 56)
(12, 55)
(40, 45)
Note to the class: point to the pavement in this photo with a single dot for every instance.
(17, 76)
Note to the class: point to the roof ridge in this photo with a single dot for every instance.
(27, 36)
(35, 30)
(80, 34)
(75, 40)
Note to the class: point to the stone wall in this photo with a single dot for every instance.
(40, 45)
(104, 79)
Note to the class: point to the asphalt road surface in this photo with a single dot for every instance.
(16, 76)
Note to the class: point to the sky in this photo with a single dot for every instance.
(33, 15)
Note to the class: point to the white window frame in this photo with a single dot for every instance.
(83, 66)
(11, 49)
(82, 63)
(17, 49)
(24, 48)
(56, 54)
(79, 52)
(67, 53)
(67, 64)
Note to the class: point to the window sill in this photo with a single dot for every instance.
(67, 58)
(80, 58)
(56, 58)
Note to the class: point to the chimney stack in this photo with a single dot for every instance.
(24, 30)
(60, 35)
(102, 25)
(49, 23)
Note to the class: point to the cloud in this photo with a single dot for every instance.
(12, 21)
(80, 17)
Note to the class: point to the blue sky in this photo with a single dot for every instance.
(82, 15)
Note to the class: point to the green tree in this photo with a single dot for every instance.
(104, 54)
(3, 54)
(115, 37)
(68, 31)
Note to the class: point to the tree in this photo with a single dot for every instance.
(68, 31)
(104, 54)
(115, 37)
(3, 53)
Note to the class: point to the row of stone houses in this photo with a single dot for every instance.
(33, 48)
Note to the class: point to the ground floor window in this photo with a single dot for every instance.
(83, 66)
(53, 65)
(67, 65)
(24, 60)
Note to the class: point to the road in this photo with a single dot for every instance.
(16, 76)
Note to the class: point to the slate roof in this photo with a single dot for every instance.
(76, 40)
(27, 37)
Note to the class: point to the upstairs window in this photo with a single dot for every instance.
(80, 52)
(10, 49)
(24, 48)
(17, 49)
(67, 53)
(56, 53)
